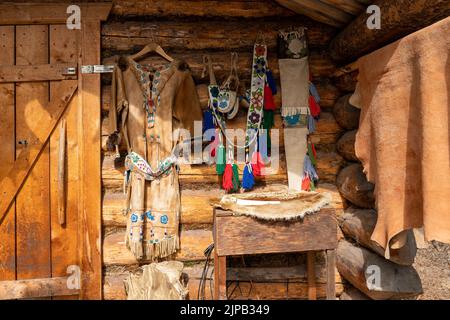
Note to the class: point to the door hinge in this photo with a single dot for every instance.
(98, 68)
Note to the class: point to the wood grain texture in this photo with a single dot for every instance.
(398, 19)
(320, 63)
(319, 11)
(347, 116)
(353, 186)
(237, 235)
(32, 202)
(7, 156)
(312, 290)
(346, 146)
(89, 218)
(35, 288)
(64, 238)
(272, 279)
(34, 127)
(44, 72)
(198, 35)
(193, 243)
(208, 8)
(358, 224)
(48, 13)
(396, 281)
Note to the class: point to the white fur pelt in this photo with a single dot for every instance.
(275, 206)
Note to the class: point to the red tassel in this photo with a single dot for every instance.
(269, 103)
(313, 148)
(257, 164)
(214, 144)
(227, 179)
(314, 107)
(306, 184)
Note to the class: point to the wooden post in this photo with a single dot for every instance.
(331, 267)
(312, 290)
(90, 167)
(220, 277)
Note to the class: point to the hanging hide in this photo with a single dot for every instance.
(158, 281)
(403, 138)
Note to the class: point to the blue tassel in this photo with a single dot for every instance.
(271, 82)
(314, 92)
(248, 180)
(208, 120)
(311, 124)
(309, 169)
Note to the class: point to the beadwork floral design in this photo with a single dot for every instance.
(254, 117)
(164, 219)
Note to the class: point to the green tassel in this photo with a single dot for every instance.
(268, 123)
(220, 159)
(311, 155)
(312, 186)
(236, 183)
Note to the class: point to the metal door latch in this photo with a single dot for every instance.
(98, 68)
(71, 71)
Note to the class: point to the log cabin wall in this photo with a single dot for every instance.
(188, 30)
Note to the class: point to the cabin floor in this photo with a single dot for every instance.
(433, 265)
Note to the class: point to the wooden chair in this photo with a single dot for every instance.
(241, 235)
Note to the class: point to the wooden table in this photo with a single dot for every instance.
(241, 235)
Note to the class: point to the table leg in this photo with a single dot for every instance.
(312, 290)
(331, 276)
(220, 277)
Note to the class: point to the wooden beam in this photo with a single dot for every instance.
(398, 19)
(35, 288)
(318, 11)
(206, 8)
(28, 73)
(12, 182)
(375, 276)
(352, 7)
(49, 13)
(89, 217)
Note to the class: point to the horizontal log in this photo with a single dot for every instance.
(327, 129)
(193, 243)
(208, 8)
(359, 224)
(113, 288)
(346, 115)
(376, 277)
(351, 293)
(196, 206)
(201, 35)
(319, 11)
(346, 146)
(48, 13)
(35, 288)
(319, 62)
(328, 165)
(329, 94)
(398, 19)
(353, 186)
(347, 82)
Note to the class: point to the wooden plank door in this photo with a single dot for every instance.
(37, 94)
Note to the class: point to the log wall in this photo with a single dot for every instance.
(188, 30)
